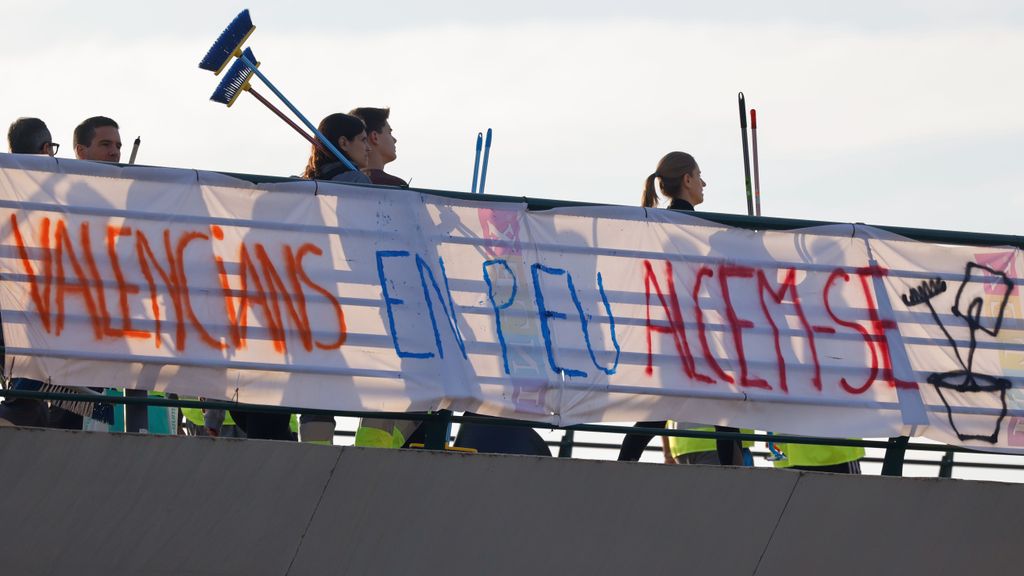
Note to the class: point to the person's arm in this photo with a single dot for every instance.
(666, 449)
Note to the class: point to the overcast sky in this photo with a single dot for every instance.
(901, 113)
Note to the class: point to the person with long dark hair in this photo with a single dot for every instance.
(348, 134)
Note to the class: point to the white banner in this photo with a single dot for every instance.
(358, 298)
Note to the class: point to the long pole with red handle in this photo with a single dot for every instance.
(753, 151)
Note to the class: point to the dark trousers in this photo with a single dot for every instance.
(264, 426)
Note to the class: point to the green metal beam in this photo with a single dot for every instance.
(735, 220)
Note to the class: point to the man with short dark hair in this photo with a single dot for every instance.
(381, 432)
(382, 145)
(97, 138)
(30, 136)
(26, 136)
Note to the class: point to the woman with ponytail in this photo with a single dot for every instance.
(679, 181)
(348, 134)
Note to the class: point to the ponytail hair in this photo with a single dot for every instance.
(671, 169)
(334, 127)
(649, 199)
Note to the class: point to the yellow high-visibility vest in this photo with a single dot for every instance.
(376, 438)
(817, 455)
(384, 433)
(195, 415)
(680, 446)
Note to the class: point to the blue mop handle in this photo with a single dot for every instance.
(487, 154)
(330, 146)
(476, 161)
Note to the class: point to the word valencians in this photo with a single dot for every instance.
(66, 270)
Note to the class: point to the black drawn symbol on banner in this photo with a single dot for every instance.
(925, 292)
(968, 306)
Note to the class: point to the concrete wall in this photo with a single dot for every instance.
(82, 503)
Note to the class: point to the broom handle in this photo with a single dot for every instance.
(135, 150)
(476, 160)
(288, 120)
(753, 153)
(746, 154)
(334, 150)
(487, 154)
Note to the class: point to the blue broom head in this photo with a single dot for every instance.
(235, 81)
(229, 43)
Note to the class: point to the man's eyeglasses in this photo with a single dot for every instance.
(51, 148)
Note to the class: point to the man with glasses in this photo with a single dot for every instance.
(27, 136)
(97, 138)
(30, 136)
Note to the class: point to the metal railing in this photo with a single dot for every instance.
(437, 430)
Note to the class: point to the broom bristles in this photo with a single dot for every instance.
(235, 81)
(229, 43)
